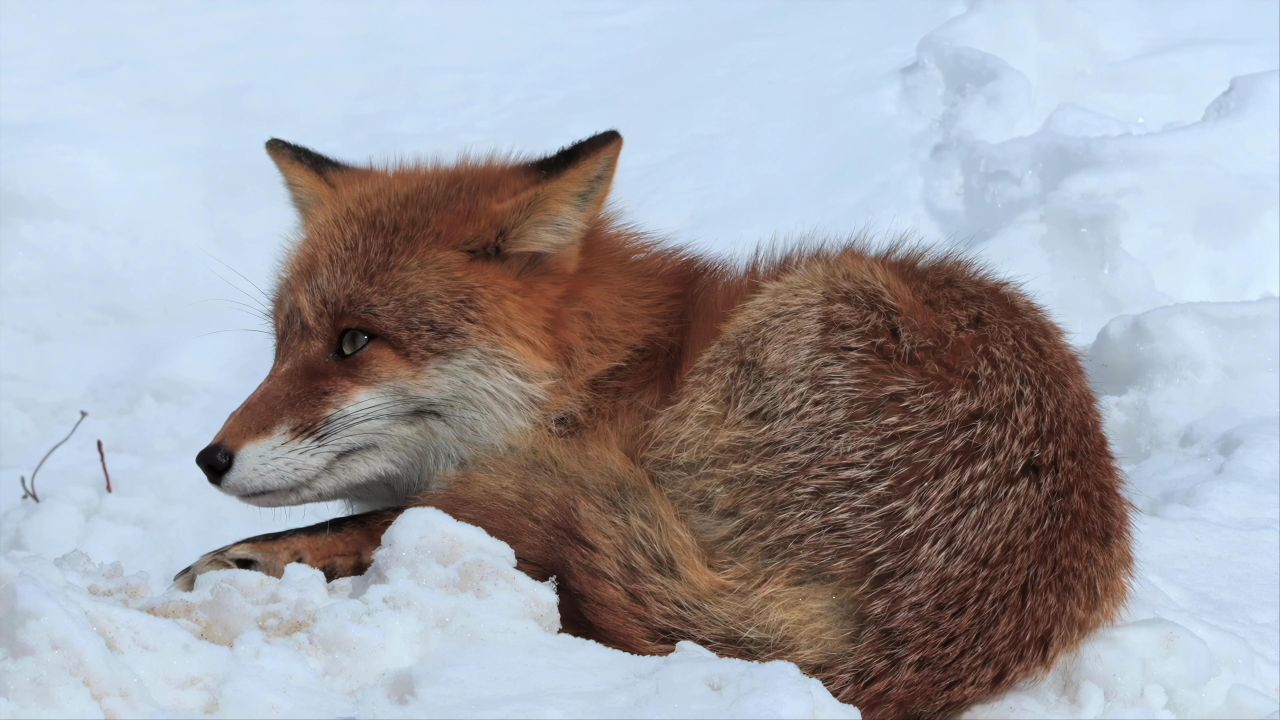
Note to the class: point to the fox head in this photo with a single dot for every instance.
(413, 321)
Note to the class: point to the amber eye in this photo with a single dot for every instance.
(352, 342)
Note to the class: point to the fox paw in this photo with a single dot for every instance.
(242, 555)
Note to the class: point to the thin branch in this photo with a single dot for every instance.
(31, 492)
(102, 455)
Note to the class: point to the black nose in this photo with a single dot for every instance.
(215, 461)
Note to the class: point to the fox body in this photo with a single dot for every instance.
(887, 467)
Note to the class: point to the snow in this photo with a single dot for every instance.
(415, 636)
(1120, 159)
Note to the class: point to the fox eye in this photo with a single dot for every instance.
(352, 342)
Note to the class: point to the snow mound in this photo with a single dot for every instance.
(1099, 215)
(442, 625)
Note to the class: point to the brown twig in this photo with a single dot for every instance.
(102, 455)
(22, 480)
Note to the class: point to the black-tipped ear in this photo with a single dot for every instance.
(551, 219)
(310, 176)
(568, 157)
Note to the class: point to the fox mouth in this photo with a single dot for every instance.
(269, 498)
(299, 491)
(344, 454)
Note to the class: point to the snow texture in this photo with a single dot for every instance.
(1118, 158)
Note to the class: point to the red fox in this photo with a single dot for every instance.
(885, 466)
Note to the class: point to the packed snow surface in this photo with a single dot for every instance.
(1119, 159)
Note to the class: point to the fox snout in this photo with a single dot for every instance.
(303, 438)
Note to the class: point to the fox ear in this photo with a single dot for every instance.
(573, 185)
(310, 176)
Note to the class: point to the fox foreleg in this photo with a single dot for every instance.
(339, 548)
